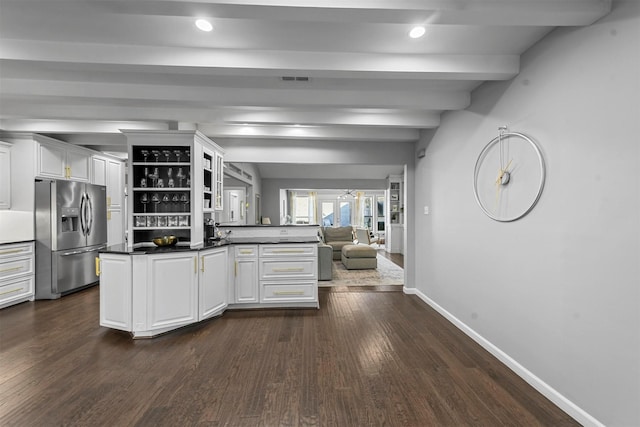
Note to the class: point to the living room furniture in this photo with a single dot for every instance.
(359, 257)
(337, 237)
(325, 261)
(364, 237)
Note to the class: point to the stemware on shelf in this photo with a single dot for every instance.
(180, 176)
(166, 153)
(165, 201)
(184, 199)
(145, 154)
(144, 199)
(178, 154)
(154, 176)
(155, 200)
(156, 154)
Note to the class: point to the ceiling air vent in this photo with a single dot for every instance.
(294, 79)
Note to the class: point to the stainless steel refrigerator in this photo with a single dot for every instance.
(70, 229)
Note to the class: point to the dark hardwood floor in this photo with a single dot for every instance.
(397, 259)
(367, 357)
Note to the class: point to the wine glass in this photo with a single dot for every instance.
(184, 199)
(144, 199)
(170, 181)
(166, 153)
(178, 154)
(154, 176)
(155, 200)
(156, 154)
(180, 175)
(165, 202)
(175, 199)
(145, 154)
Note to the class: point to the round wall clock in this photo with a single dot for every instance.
(509, 176)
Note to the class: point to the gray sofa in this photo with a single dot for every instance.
(325, 263)
(337, 237)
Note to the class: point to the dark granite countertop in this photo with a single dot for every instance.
(150, 250)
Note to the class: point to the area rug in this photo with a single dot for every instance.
(387, 273)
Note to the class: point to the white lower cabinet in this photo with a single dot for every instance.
(289, 274)
(172, 290)
(213, 293)
(245, 277)
(17, 273)
(115, 291)
(148, 294)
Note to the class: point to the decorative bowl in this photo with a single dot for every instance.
(165, 240)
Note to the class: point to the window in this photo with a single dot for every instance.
(302, 210)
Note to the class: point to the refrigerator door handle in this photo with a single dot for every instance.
(89, 214)
(82, 215)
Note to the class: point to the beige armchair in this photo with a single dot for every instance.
(364, 237)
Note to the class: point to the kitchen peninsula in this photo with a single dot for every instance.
(148, 290)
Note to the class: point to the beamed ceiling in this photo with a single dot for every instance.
(80, 70)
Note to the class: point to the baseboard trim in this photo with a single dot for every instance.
(545, 389)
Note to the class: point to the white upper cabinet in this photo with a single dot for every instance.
(62, 161)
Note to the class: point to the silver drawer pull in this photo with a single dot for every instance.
(289, 293)
(11, 291)
(11, 251)
(281, 270)
(246, 252)
(12, 269)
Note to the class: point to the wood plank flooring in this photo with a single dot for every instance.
(368, 357)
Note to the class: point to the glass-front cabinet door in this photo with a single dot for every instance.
(218, 184)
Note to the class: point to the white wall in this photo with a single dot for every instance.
(557, 291)
(16, 224)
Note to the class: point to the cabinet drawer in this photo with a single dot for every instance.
(288, 250)
(288, 269)
(246, 251)
(15, 267)
(16, 249)
(300, 291)
(17, 289)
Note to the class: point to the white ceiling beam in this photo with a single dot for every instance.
(61, 108)
(313, 64)
(76, 126)
(400, 118)
(209, 96)
(344, 133)
(495, 12)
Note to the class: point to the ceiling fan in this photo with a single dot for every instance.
(347, 193)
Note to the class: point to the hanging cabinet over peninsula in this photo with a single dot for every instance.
(171, 184)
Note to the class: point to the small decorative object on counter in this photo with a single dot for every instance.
(165, 240)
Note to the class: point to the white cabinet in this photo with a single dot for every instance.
(172, 290)
(168, 173)
(62, 161)
(245, 278)
(289, 273)
(110, 173)
(115, 291)
(16, 273)
(212, 282)
(5, 175)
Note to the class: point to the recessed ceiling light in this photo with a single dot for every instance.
(417, 32)
(204, 25)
